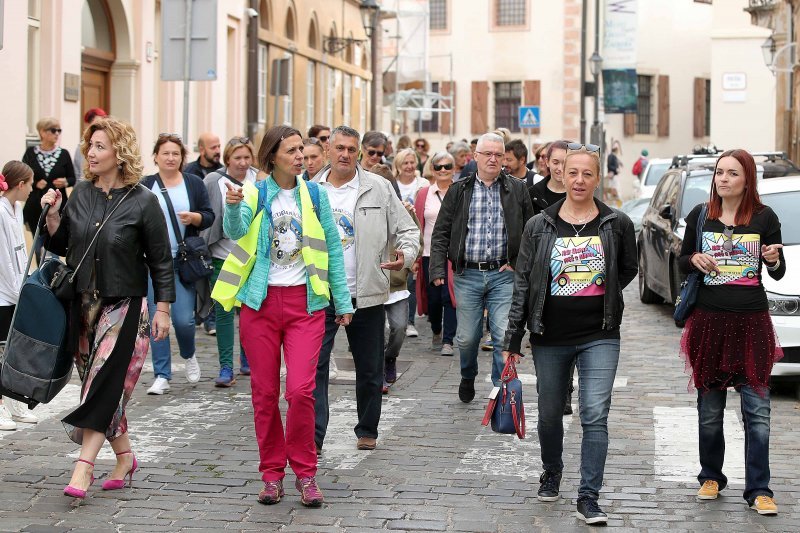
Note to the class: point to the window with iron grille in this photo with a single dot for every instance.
(438, 14)
(507, 99)
(708, 109)
(510, 12)
(432, 124)
(644, 106)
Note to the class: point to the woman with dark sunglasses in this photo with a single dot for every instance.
(436, 301)
(52, 169)
(575, 259)
(422, 147)
(729, 339)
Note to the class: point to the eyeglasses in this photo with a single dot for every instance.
(55, 131)
(373, 153)
(589, 147)
(312, 141)
(169, 136)
(239, 140)
(324, 138)
(491, 155)
(727, 244)
(420, 145)
(446, 166)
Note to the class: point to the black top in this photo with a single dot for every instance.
(573, 305)
(199, 170)
(613, 163)
(542, 197)
(737, 286)
(63, 168)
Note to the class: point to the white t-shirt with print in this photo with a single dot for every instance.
(287, 268)
(408, 193)
(343, 204)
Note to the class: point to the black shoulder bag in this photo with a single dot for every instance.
(194, 258)
(689, 288)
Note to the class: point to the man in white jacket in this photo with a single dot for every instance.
(371, 221)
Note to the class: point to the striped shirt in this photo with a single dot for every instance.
(487, 239)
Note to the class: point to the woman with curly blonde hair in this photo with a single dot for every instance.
(112, 233)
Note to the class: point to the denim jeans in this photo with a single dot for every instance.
(440, 309)
(597, 367)
(397, 316)
(755, 415)
(365, 335)
(182, 315)
(411, 285)
(225, 327)
(475, 290)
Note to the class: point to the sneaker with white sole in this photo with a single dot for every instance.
(159, 386)
(436, 342)
(192, 370)
(6, 424)
(447, 349)
(411, 331)
(764, 505)
(19, 412)
(333, 371)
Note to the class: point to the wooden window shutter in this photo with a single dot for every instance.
(629, 124)
(480, 107)
(448, 89)
(532, 95)
(663, 106)
(699, 128)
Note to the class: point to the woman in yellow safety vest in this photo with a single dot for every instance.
(286, 266)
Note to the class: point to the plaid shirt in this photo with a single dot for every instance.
(486, 228)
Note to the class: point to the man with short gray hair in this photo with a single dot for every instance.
(479, 229)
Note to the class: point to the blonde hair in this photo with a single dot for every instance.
(124, 144)
(234, 144)
(46, 123)
(400, 157)
(582, 150)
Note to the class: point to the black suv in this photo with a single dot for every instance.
(686, 184)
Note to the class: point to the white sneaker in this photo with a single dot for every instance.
(159, 386)
(333, 371)
(283, 372)
(6, 424)
(192, 369)
(19, 412)
(411, 331)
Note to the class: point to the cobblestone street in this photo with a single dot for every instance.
(435, 469)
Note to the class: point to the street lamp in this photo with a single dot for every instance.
(768, 51)
(595, 65)
(369, 9)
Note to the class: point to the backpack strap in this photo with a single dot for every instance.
(313, 191)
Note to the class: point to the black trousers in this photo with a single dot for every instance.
(6, 312)
(366, 337)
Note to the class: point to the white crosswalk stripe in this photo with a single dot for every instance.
(67, 399)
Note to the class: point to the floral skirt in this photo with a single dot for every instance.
(112, 348)
(724, 350)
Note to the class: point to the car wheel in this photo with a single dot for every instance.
(646, 295)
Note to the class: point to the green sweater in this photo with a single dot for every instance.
(236, 223)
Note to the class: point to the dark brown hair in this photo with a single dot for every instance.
(271, 142)
(16, 172)
(164, 138)
(314, 130)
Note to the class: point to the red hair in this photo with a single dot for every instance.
(751, 202)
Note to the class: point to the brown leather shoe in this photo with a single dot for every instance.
(366, 443)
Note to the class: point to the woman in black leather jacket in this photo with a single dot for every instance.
(575, 259)
(109, 316)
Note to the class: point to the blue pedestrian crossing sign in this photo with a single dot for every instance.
(529, 117)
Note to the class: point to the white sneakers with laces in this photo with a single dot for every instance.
(192, 370)
(6, 424)
(159, 386)
(19, 412)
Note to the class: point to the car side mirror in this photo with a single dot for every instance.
(666, 212)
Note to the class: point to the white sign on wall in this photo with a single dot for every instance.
(734, 81)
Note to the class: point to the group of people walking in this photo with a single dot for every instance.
(307, 235)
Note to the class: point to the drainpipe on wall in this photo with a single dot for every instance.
(252, 70)
(376, 88)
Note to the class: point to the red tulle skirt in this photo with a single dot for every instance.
(724, 350)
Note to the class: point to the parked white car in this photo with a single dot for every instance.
(652, 174)
(783, 196)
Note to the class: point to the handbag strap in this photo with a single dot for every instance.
(91, 243)
(518, 415)
(175, 226)
(701, 221)
(234, 180)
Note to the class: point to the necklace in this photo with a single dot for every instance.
(578, 231)
(586, 217)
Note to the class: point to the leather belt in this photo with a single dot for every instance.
(484, 266)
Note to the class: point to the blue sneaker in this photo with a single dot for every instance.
(244, 370)
(225, 378)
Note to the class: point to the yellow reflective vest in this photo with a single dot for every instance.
(239, 263)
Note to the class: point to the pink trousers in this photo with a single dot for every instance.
(283, 321)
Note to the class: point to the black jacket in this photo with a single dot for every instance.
(538, 193)
(62, 169)
(532, 277)
(450, 233)
(198, 202)
(199, 170)
(132, 241)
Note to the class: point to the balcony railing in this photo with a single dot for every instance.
(754, 5)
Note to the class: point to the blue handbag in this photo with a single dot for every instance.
(689, 288)
(505, 409)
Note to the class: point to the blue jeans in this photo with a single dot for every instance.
(597, 367)
(755, 415)
(182, 315)
(475, 290)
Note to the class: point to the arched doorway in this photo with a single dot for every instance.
(98, 55)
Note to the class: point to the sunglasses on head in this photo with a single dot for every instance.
(727, 244)
(373, 153)
(54, 130)
(240, 140)
(588, 147)
(446, 166)
(312, 141)
(324, 138)
(170, 136)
